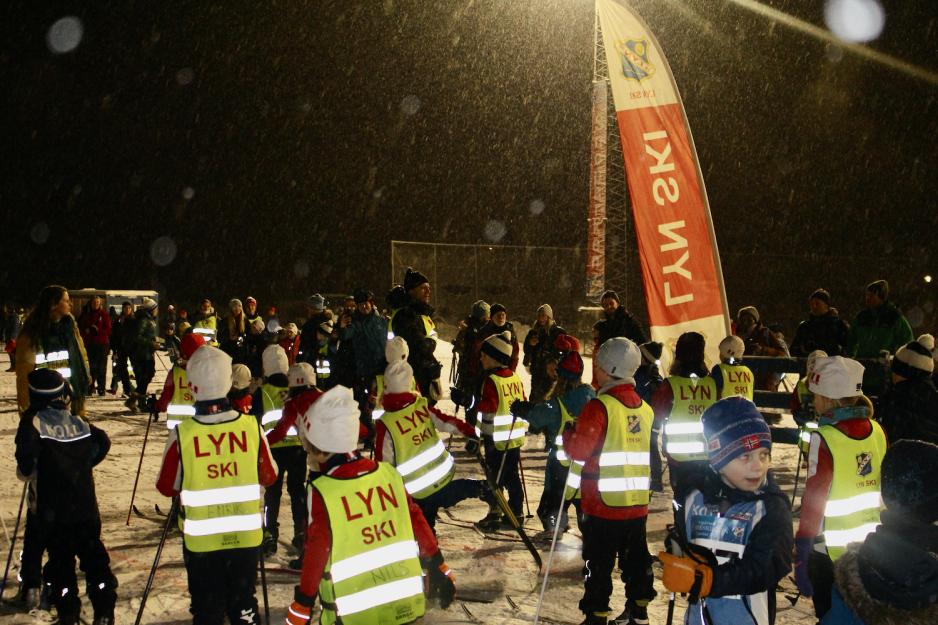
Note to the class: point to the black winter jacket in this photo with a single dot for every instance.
(910, 410)
(60, 449)
(622, 323)
(827, 332)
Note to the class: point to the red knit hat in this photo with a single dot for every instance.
(571, 363)
(190, 343)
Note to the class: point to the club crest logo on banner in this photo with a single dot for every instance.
(635, 63)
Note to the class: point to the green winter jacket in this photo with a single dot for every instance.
(876, 329)
(142, 348)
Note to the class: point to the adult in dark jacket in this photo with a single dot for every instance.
(823, 329)
(122, 327)
(95, 327)
(498, 323)
(343, 365)
(233, 332)
(414, 323)
(879, 327)
(760, 341)
(616, 321)
(367, 332)
(909, 409)
(10, 330)
(539, 348)
(316, 314)
(466, 345)
(56, 451)
(142, 348)
(892, 577)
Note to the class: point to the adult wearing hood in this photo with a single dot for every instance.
(891, 578)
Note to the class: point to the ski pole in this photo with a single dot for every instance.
(143, 449)
(797, 477)
(524, 486)
(264, 585)
(550, 554)
(19, 515)
(174, 509)
(501, 466)
(670, 608)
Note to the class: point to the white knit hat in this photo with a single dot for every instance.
(331, 423)
(546, 309)
(147, 303)
(619, 357)
(240, 377)
(258, 325)
(812, 359)
(275, 360)
(301, 374)
(326, 327)
(498, 347)
(396, 349)
(914, 359)
(732, 347)
(836, 377)
(209, 372)
(398, 376)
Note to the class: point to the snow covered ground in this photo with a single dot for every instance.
(497, 580)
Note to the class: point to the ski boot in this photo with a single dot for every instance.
(269, 545)
(491, 522)
(631, 615)
(595, 619)
(103, 619)
(296, 564)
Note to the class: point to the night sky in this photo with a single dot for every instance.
(282, 145)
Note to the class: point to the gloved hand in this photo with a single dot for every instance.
(472, 446)
(460, 397)
(686, 575)
(441, 583)
(520, 408)
(803, 548)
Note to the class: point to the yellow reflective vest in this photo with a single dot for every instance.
(506, 432)
(419, 454)
(683, 430)
(272, 400)
(221, 496)
(208, 328)
(625, 460)
(737, 380)
(182, 403)
(373, 574)
(854, 501)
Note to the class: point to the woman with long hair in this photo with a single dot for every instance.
(50, 338)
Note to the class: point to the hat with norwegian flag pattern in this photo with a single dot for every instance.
(732, 427)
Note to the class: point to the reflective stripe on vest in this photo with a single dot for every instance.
(371, 576)
(420, 456)
(565, 417)
(726, 534)
(221, 495)
(683, 431)
(57, 361)
(182, 403)
(804, 435)
(272, 401)
(571, 489)
(854, 502)
(499, 426)
(737, 380)
(624, 471)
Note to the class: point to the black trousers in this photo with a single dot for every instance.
(448, 496)
(222, 583)
(119, 372)
(292, 461)
(97, 362)
(603, 541)
(144, 370)
(65, 542)
(555, 478)
(511, 479)
(821, 574)
(34, 544)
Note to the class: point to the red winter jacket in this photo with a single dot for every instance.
(95, 326)
(585, 442)
(319, 532)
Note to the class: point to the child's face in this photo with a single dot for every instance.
(747, 472)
